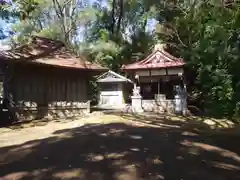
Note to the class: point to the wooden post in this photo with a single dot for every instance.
(88, 106)
(8, 91)
(159, 86)
(185, 97)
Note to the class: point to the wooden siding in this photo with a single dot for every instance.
(38, 92)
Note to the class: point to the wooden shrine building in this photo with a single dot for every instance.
(43, 79)
(160, 77)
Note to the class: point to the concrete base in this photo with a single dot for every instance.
(137, 104)
(52, 114)
(137, 110)
(107, 106)
(180, 105)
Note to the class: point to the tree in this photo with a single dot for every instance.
(113, 37)
(57, 19)
(206, 34)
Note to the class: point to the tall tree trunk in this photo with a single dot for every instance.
(120, 16)
(40, 23)
(113, 16)
(65, 14)
(145, 24)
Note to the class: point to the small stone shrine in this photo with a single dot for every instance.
(114, 90)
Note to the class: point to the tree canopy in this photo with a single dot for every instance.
(205, 33)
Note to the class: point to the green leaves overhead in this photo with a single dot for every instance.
(58, 19)
(25, 8)
(206, 36)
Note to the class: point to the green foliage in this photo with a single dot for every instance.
(207, 36)
(57, 19)
(118, 34)
(25, 8)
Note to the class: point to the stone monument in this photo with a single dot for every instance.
(180, 100)
(136, 100)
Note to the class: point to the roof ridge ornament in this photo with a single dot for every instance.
(160, 47)
(158, 57)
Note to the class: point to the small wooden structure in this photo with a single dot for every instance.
(160, 77)
(43, 79)
(114, 90)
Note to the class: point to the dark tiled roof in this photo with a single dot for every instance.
(48, 52)
(157, 59)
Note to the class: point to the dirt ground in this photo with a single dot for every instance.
(120, 147)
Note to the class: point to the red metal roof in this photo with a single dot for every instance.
(156, 60)
(48, 52)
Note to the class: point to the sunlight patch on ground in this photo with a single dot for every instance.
(103, 119)
(211, 122)
(22, 135)
(168, 120)
(186, 133)
(196, 146)
(116, 155)
(135, 149)
(225, 166)
(94, 158)
(68, 174)
(15, 175)
(157, 161)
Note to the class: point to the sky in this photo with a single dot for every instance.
(5, 24)
(5, 27)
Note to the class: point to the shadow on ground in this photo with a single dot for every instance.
(163, 149)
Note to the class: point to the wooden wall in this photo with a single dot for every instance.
(43, 91)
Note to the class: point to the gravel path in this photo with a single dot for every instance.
(110, 147)
(10, 137)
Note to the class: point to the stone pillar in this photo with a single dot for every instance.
(184, 101)
(178, 104)
(136, 100)
(137, 104)
(181, 101)
(88, 106)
